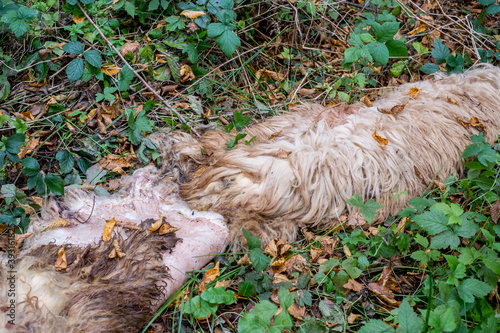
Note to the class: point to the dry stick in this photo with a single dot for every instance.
(167, 104)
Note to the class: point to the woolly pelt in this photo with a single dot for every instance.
(303, 165)
(96, 293)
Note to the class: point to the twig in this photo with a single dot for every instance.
(167, 104)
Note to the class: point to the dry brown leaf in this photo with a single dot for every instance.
(192, 26)
(210, 275)
(166, 228)
(383, 293)
(452, 101)
(108, 229)
(356, 220)
(267, 74)
(275, 134)
(413, 93)
(117, 250)
(186, 74)
(381, 141)
(353, 317)
(156, 225)
(192, 14)
(129, 47)
(401, 224)
(32, 144)
(306, 92)
(115, 163)
(282, 154)
(182, 105)
(78, 19)
(353, 285)
(421, 28)
(245, 260)
(298, 312)
(61, 262)
(366, 101)
(315, 253)
(277, 247)
(37, 84)
(474, 122)
(495, 211)
(111, 69)
(347, 251)
(56, 223)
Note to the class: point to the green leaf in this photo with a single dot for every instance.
(26, 14)
(143, 123)
(54, 184)
(252, 241)
(247, 289)
(74, 71)
(13, 142)
(258, 319)
(259, 260)
(379, 52)
(386, 31)
(429, 68)
(445, 239)
(199, 308)
(491, 10)
(376, 326)
(228, 42)
(365, 38)
(219, 296)
(433, 221)
(351, 55)
(73, 48)
(408, 320)
(174, 23)
(153, 5)
(30, 166)
(443, 319)
(486, 2)
(420, 256)
(93, 57)
(192, 52)
(440, 51)
(66, 160)
(369, 210)
(356, 201)
(125, 78)
(397, 48)
(282, 321)
(215, 29)
(472, 287)
(130, 8)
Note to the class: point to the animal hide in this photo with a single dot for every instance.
(302, 166)
(98, 293)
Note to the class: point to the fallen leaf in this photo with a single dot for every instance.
(452, 101)
(32, 144)
(495, 211)
(186, 74)
(366, 101)
(315, 253)
(78, 19)
(117, 250)
(156, 225)
(306, 92)
(421, 28)
(381, 141)
(353, 317)
(282, 154)
(108, 229)
(275, 134)
(383, 293)
(61, 262)
(353, 285)
(192, 14)
(414, 93)
(129, 47)
(474, 122)
(111, 69)
(115, 163)
(245, 260)
(267, 74)
(56, 223)
(166, 228)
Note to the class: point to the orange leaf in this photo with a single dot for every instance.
(111, 69)
(414, 92)
(61, 262)
(108, 229)
(381, 141)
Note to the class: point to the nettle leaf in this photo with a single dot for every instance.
(73, 48)
(31, 167)
(433, 221)
(376, 326)
(199, 308)
(472, 287)
(125, 78)
(379, 52)
(93, 57)
(192, 52)
(215, 29)
(386, 31)
(440, 51)
(228, 42)
(219, 296)
(408, 320)
(54, 184)
(74, 71)
(66, 161)
(397, 48)
(259, 260)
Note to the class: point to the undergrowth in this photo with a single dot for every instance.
(83, 83)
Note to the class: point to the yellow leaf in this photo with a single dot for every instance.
(61, 262)
(414, 92)
(192, 14)
(108, 229)
(78, 19)
(381, 141)
(110, 70)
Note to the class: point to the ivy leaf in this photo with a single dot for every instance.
(440, 51)
(73, 48)
(74, 71)
(94, 58)
(228, 42)
(66, 160)
(30, 166)
(219, 296)
(379, 52)
(54, 184)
